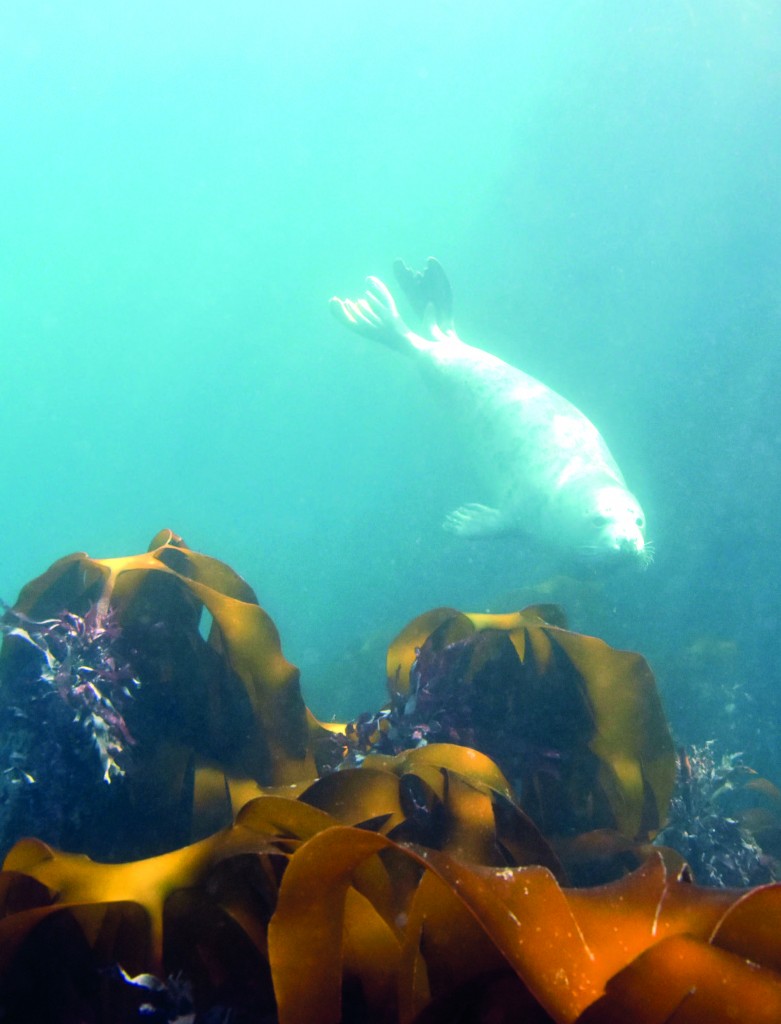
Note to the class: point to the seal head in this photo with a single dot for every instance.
(615, 526)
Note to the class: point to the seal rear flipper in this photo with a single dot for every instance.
(476, 520)
(375, 315)
(428, 292)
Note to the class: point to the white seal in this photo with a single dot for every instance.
(551, 473)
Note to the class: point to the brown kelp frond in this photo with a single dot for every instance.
(412, 867)
(114, 645)
(332, 933)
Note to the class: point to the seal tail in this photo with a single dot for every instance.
(428, 292)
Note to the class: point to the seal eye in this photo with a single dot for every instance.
(640, 521)
(599, 520)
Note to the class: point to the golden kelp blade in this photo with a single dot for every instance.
(413, 888)
(616, 739)
(231, 701)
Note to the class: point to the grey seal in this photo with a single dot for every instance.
(549, 471)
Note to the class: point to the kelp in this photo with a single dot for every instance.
(230, 700)
(415, 866)
(576, 725)
(289, 908)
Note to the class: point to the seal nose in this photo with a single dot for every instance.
(634, 544)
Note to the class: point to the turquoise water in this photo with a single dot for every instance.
(184, 187)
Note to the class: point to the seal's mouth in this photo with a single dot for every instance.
(636, 547)
(619, 551)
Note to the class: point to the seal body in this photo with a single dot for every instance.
(549, 471)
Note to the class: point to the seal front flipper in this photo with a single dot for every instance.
(428, 292)
(476, 521)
